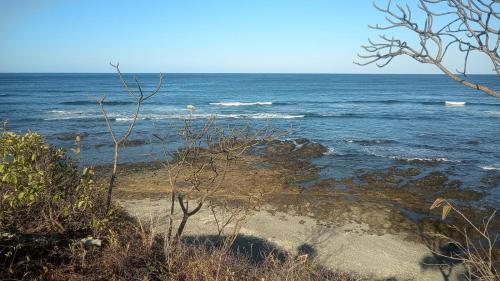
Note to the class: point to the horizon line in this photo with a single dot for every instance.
(302, 73)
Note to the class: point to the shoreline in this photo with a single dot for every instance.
(283, 175)
(350, 248)
(374, 225)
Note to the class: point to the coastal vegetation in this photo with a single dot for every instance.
(60, 220)
(55, 225)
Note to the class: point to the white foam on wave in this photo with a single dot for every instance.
(330, 114)
(65, 115)
(54, 115)
(205, 116)
(330, 151)
(495, 113)
(490, 168)
(237, 103)
(438, 159)
(272, 116)
(454, 103)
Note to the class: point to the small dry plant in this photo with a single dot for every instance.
(139, 97)
(196, 171)
(475, 245)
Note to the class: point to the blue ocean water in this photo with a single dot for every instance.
(367, 121)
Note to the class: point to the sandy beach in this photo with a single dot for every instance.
(349, 248)
(365, 226)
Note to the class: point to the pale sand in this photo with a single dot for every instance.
(347, 248)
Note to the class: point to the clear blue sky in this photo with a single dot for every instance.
(318, 36)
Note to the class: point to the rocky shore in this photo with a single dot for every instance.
(376, 223)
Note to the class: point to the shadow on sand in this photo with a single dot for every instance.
(258, 249)
(440, 258)
(254, 248)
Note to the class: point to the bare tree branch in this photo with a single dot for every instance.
(139, 100)
(469, 26)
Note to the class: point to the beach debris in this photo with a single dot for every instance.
(91, 242)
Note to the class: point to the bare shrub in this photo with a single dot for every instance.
(140, 255)
(475, 244)
(139, 97)
(196, 172)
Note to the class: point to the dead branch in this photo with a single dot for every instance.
(197, 171)
(140, 98)
(469, 26)
(475, 253)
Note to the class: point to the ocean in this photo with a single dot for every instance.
(366, 121)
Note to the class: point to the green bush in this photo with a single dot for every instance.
(41, 189)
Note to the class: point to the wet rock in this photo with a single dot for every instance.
(491, 179)
(301, 141)
(323, 185)
(379, 179)
(279, 148)
(299, 148)
(433, 181)
(420, 162)
(309, 149)
(410, 172)
(454, 184)
(70, 136)
(463, 194)
(136, 142)
(99, 145)
(473, 142)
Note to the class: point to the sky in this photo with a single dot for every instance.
(202, 36)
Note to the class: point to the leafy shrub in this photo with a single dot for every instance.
(41, 189)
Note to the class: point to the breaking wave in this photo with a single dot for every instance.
(237, 103)
(219, 116)
(370, 141)
(454, 103)
(68, 115)
(491, 168)
(88, 102)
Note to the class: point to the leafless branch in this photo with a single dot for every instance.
(197, 171)
(475, 246)
(140, 98)
(469, 26)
